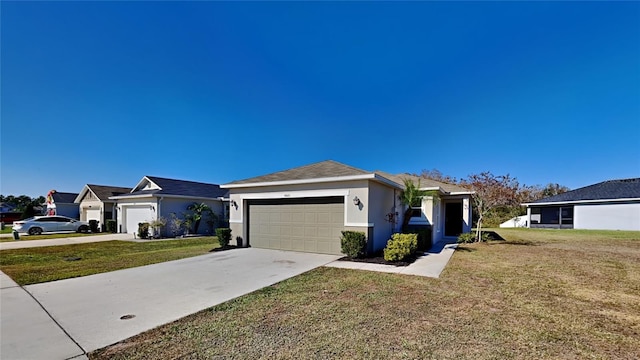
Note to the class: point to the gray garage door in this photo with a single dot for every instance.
(309, 224)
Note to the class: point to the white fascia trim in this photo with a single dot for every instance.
(303, 181)
(359, 224)
(581, 202)
(294, 194)
(386, 181)
(81, 195)
(462, 193)
(135, 188)
(124, 197)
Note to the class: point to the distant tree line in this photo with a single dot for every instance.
(23, 204)
(498, 197)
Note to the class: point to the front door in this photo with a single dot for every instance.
(452, 219)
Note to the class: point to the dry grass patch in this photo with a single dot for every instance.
(554, 298)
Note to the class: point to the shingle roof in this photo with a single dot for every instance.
(64, 197)
(323, 169)
(606, 190)
(103, 192)
(330, 169)
(183, 188)
(424, 183)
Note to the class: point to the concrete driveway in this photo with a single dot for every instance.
(90, 308)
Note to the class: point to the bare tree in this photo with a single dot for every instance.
(491, 192)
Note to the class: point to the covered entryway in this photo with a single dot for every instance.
(134, 215)
(305, 224)
(453, 218)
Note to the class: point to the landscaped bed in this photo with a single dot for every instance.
(537, 294)
(42, 264)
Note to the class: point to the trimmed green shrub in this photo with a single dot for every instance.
(354, 243)
(224, 236)
(111, 226)
(93, 225)
(400, 246)
(143, 230)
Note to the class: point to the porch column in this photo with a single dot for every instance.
(528, 217)
(466, 215)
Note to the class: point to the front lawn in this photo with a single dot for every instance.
(539, 294)
(25, 237)
(42, 264)
(8, 229)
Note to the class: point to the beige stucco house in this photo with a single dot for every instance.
(94, 203)
(306, 208)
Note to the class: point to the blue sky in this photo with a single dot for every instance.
(107, 92)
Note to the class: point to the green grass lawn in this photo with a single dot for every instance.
(25, 237)
(538, 294)
(42, 264)
(7, 230)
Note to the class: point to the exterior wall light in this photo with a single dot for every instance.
(234, 204)
(356, 201)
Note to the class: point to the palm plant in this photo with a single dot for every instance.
(199, 210)
(411, 196)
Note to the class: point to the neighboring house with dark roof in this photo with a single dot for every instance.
(65, 204)
(609, 205)
(155, 197)
(94, 203)
(306, 208)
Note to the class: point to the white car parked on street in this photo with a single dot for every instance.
(39, 224)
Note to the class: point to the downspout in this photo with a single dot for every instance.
(159, 213)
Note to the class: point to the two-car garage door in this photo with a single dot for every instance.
(307, 224)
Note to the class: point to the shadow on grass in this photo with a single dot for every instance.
(464, 248)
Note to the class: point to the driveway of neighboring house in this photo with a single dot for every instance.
(23, 244)
(102, 309)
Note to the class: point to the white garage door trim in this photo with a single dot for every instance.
(134, 215)
(309, 224)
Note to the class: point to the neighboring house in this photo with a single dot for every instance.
(95, 204)
(65, 204)
(155, 197)
(609, 205)
(516, 222)
(8, 213)
(306, 208)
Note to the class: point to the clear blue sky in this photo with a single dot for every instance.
(107, 92)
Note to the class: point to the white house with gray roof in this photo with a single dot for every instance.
(306, 208)
(154, 197)
(609, 205)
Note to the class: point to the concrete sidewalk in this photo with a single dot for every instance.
(431, 264)
(23, 244)
(102, 309)
(25, 327)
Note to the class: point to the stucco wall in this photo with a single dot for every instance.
(68, 210)
(92, 205)
(355, 216)
(380, 203)
(179, 207)
(607, 216)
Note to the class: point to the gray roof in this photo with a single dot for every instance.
(64, 197)
(330, 169)
(323, 169)
(182, 188)
(103, 192)
(424, 182)
(606, 190)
